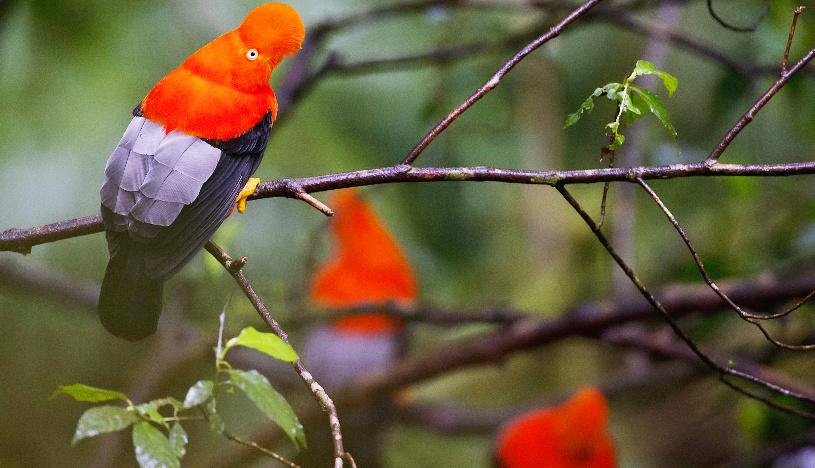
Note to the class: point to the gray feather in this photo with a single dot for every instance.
(150, 177)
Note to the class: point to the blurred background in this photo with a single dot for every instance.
(72, 72)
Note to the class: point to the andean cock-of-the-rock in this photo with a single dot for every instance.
(571, 435)
(186, 160)
(366, 266)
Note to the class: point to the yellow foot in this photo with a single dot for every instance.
(248, 190)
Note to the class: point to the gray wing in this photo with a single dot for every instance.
(151, 177)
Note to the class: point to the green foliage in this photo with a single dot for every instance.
(103, 419)
(89, 394)
(159, 439)
(267, 343)
(632, 101)
(272, 403)
(153, 448)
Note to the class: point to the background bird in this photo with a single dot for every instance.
(571, 435)
(366, 267)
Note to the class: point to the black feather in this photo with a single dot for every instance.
(130, 302)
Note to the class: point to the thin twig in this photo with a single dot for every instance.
(496, 79)
(795, 14)
(702, 356)
(297, 192)
(745, 119)
(316, 389)
(762, 14)
(251, 444)
(747, 316)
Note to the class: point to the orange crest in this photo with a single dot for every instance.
(367, 266)
(572, 435)
(221, 91)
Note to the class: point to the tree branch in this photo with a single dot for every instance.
(495, 80)
(22, 240)
(748, 116)
(316, 389)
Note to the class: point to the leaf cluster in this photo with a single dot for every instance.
(633, 102)
(159, 439)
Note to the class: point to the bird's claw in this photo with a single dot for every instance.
(247, 191)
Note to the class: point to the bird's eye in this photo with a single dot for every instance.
(252, 54)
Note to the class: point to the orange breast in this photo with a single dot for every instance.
(200, 107)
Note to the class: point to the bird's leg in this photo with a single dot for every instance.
(247, 191)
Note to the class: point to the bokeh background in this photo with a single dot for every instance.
(71, 71)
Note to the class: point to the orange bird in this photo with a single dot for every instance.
(367, 266)
(185, 161)
(572, 435)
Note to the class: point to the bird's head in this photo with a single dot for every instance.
(245, 57)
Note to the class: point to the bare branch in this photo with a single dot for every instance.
(496, 79)
(22, 240)
(723, 371)
(761, 15)
(745, 119)
(795, 14)
(747, 316)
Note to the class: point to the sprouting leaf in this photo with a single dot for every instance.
(168, 401)
(657, 108)
(267, 343)
(574, 117)
(272, 403)
(216, 424)
(89, 394)
(611, 90)
(178, 440)
(153, 449)
(103, 419)
(200, 392)
(150, 412)
(644, 67)
(618, 141)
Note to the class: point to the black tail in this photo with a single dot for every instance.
(130, 301)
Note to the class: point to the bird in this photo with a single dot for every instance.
(186, 160)
(571, 435)
(366, 266)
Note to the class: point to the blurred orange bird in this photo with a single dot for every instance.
(366, 266)
(571, 435)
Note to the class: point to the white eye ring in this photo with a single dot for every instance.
(252, 54)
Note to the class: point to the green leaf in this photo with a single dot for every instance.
(272, 403)
(150, 411)
(81, 392)
(153, 449)
(587, 106)
(639, 103)
(657, 108)
(644, 67)
(611, 90)
(267, 343)
(178, 440)
(200, 392)
(618, 141)
(102, 419)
